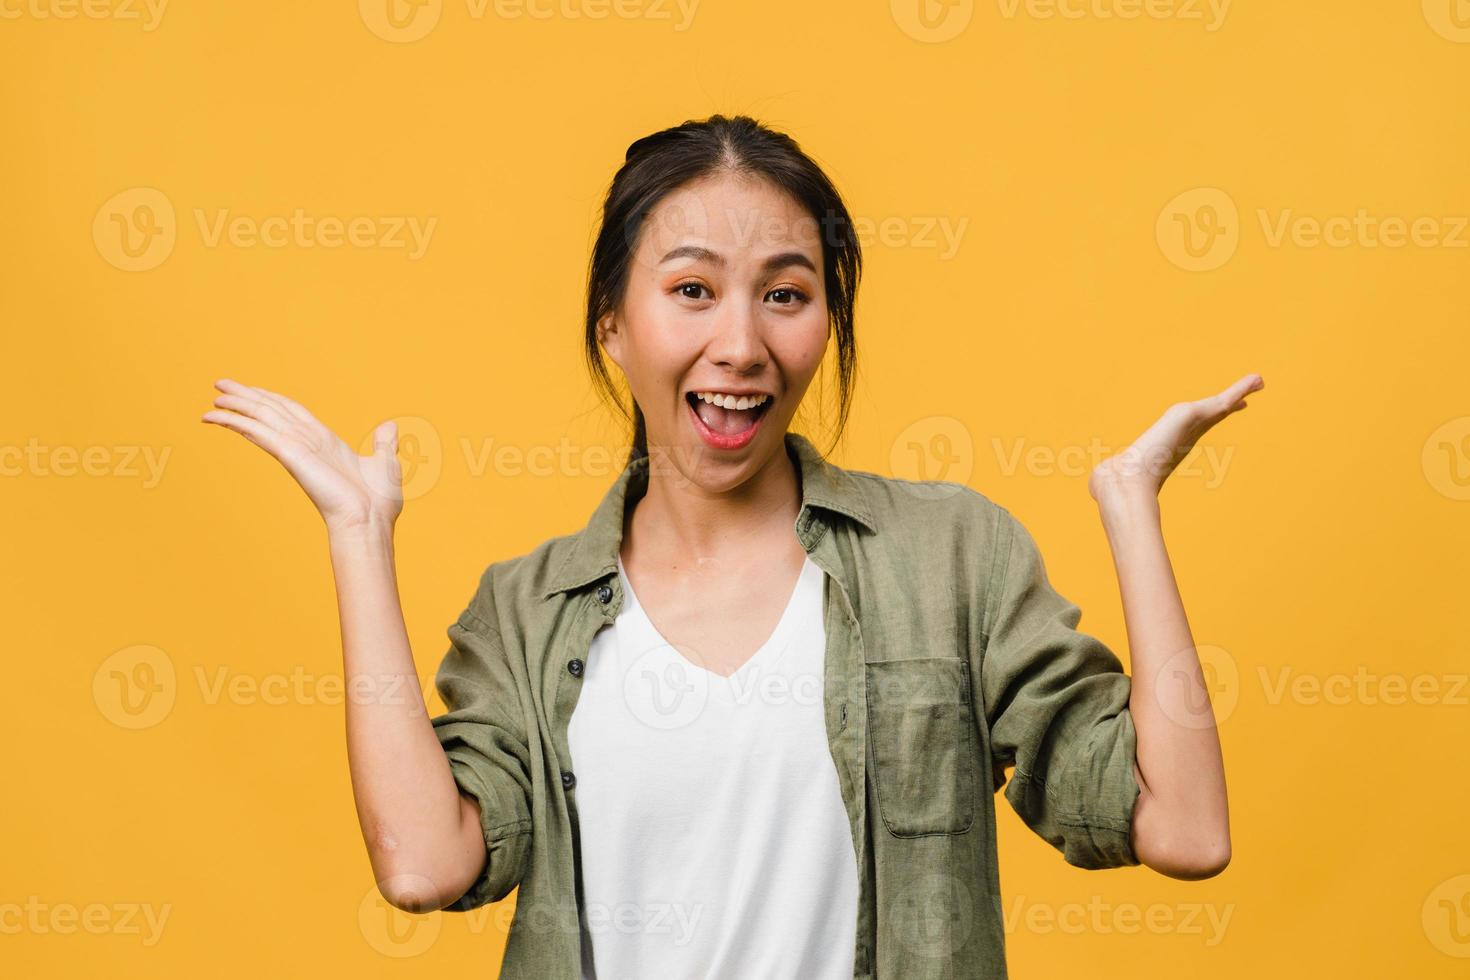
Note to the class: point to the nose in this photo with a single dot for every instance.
(737, 343)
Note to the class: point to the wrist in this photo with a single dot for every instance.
(358, 537)
(1121, 506)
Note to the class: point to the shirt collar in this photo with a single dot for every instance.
(825, 487)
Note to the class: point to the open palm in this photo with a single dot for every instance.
(346, 488)
(1147, 463)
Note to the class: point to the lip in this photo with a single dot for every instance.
(737, 392)
(717, 440)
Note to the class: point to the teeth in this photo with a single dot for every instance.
(731, 401)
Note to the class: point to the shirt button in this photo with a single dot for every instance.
(604, 594)
(568, 780)
(575, 668)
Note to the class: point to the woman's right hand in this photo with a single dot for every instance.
(348, 490)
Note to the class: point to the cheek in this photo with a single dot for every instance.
(657, 349)
(801, 344)
(653, 317)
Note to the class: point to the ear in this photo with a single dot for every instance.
(610, 335)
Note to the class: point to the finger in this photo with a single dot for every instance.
(1243, 387)
(257, 432)
(385, 438)
(254, 408)
(233, 386)
(289, 405)
(1227, 401)
(282, 404)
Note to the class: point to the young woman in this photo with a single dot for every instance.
(750, 720)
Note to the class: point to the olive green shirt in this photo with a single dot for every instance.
(949, 659)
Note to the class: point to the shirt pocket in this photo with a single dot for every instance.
(921, 731)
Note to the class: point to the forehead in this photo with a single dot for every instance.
(733, 214)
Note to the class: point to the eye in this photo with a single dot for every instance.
(684, 289)
(796, 296)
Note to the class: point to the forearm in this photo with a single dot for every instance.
(1181, 822)
(423, 838)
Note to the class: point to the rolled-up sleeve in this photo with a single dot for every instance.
(483, 736)
(1056, 702)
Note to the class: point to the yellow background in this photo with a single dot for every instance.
(1332, 547)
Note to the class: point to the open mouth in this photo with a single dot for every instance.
(727, 421)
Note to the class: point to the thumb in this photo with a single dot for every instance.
(385, 439)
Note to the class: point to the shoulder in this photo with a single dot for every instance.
(939, 546)
(510, 588)
(929, 509)
(942, 525)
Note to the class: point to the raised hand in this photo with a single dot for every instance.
(348, 490)
(1144, 466)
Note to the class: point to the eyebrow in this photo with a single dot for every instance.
(701, 254)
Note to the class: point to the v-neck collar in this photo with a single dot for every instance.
(767, 651)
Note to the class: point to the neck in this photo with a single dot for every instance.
(677, 516)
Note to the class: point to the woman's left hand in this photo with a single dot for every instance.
(1144, 466)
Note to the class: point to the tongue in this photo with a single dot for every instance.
(726, 421)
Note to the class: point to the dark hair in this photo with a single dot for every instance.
(661, 162)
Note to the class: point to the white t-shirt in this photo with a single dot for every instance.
(715, 844)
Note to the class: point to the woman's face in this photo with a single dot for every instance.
(722, 326)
